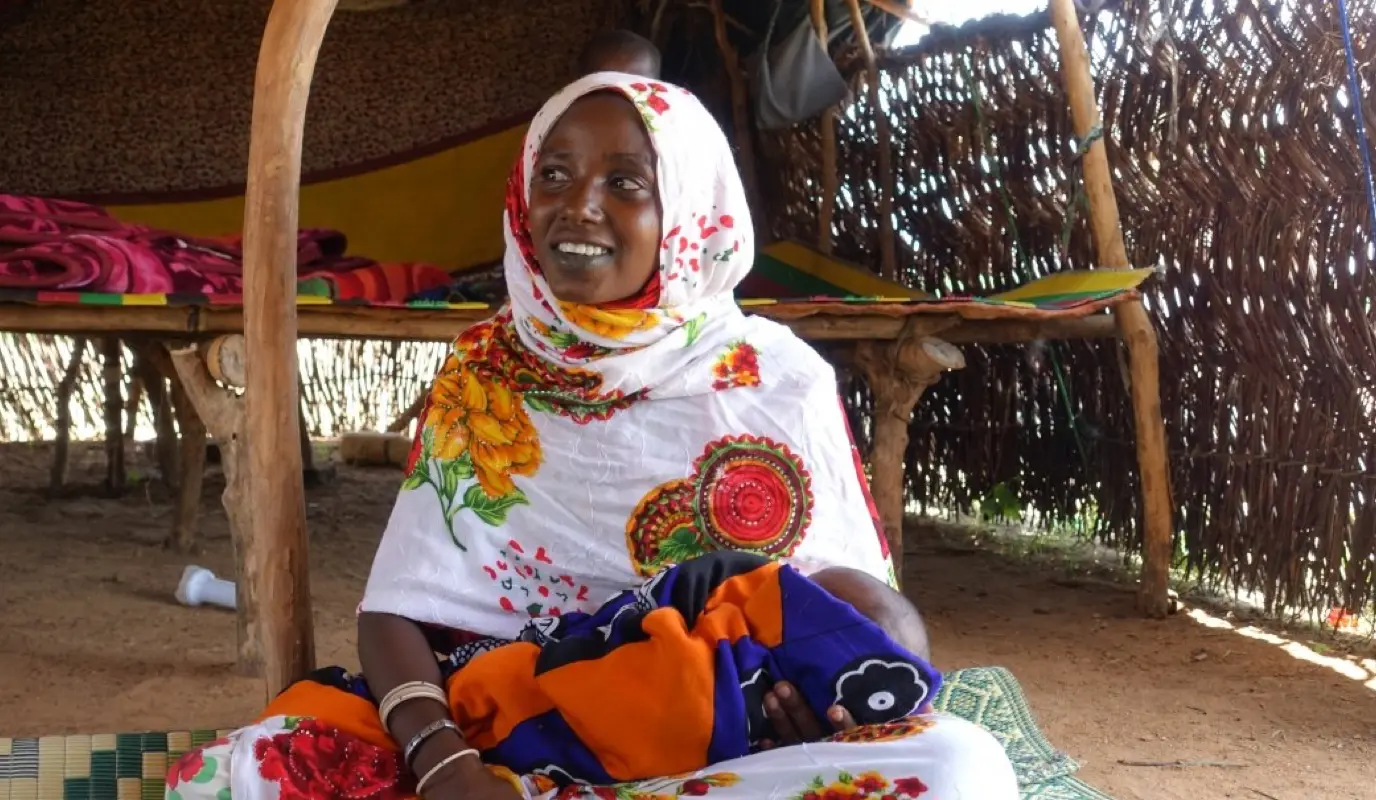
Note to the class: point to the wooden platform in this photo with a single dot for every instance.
(818, 322)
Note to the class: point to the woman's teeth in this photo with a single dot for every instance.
(581, 249)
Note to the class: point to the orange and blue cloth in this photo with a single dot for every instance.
(663, 679)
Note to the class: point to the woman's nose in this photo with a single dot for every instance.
(584, 203)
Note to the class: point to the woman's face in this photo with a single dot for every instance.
(594, 205)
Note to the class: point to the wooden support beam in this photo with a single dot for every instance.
(413, 324)
(131, 404)
(898, 373)
(827, 123)
(740, 111)
(275, 559)
(62, 446)
(224, 416)
(112, 352)
(276, 556)
(888, 258)
(1134, 324)
(146, 358)
(191, 480)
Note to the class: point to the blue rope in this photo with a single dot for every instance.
(1358, 116)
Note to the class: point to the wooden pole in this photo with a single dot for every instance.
(186, 520)
(275, 554)
(888, 260)
(112, 352)
(740, 110)
(131, 405)
(898, 373)
(223, 414)
(155, 385)
(1134, 324)
(827, 211)
(62, 446)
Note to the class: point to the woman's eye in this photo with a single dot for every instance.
(627, 184)
(552, 174)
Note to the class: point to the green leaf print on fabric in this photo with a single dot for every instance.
(537, 402)
(579, 409)
(207, 773)
(223, 794)
(692, 329)
(683, 545)
(492, 510)
(446, 477)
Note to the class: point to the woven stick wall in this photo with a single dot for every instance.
(348, 385)
(1236, 169)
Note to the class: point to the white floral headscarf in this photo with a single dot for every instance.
(707, 247)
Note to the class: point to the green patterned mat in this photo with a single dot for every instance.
(131, 766)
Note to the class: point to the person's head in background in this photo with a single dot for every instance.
(620, 51)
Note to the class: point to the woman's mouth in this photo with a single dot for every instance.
(581, 255)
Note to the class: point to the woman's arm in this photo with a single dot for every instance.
(393, 650)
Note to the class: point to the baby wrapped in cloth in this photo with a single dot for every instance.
(670, 677)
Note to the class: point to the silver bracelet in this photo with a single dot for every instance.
(409, 752)
(429, 777)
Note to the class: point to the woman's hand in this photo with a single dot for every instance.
(470, 780)
(794, 721)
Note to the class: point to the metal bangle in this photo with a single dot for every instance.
(409, 752)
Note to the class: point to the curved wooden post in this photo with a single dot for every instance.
(275, 554)
(1134, 325)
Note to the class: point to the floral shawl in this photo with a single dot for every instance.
(568, 451)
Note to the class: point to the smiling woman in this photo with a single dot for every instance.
(621, 417)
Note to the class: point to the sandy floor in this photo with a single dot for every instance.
(90, 640)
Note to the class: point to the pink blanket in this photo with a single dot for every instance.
(62, 245)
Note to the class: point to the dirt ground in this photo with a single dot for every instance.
(91, 640)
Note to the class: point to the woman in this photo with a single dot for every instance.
(619, 415)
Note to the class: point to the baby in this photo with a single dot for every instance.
(620, 51)
(672, 676)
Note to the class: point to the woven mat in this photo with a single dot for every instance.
(132, 766)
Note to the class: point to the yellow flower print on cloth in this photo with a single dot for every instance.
(609, 323)
(473, 427)
(476, 431)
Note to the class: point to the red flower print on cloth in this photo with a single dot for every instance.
(192, 767)
(746, 493)
(739, 366)
(866, 784)
(314, 762)
(688, 250)
(531, 584)
(649, 99)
